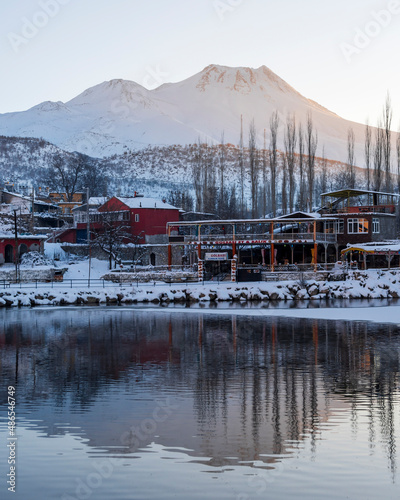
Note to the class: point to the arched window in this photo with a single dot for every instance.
(22, 249)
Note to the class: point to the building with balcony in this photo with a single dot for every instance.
(347, 216)
(362, 216)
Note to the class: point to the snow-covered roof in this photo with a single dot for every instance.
(374, 247)
(11, 236)
(97, 200)
(299, 214)
(346, 192)
(140, 202)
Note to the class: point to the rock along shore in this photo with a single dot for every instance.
(370, 285)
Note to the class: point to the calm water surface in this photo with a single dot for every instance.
(136, 403)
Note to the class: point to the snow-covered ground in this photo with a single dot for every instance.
(373, 284)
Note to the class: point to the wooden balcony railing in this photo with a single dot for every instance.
(264, 238)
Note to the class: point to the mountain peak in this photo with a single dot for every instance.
(119, 114)
(241, 79)
(118, 88)
(50, 106)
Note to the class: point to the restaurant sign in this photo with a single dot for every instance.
(216, 256)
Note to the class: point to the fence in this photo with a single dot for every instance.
(86, 283)
(72, 283)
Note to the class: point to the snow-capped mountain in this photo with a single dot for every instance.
(119, 115)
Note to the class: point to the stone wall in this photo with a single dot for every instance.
(28, 275)
(154, 254)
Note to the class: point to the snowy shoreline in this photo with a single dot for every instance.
(371, 285)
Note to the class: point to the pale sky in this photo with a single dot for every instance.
(342, 53)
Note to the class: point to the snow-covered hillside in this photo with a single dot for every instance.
(117, 116)
(154, 170)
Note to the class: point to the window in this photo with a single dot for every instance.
(334, 226)
(136, 217)
(376, 226)
(329, 225)
(355, 226)
(340, 226)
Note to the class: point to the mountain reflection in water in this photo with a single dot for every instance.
(229, 390)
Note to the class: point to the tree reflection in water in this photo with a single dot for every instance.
(249, 388)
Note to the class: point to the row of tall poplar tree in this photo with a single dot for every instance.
(288, 180)
(261, 169)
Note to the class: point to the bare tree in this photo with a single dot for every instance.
(180, 199)
(264, 175)
(387, 147)
(273, 157)
(65, 173)
(311, 142)
(197, 170)
(302, 196)
(398, 160)
(284, 191)
(367, 155)
(350, 171)
(378, 156)
(253, 169)
(241, 168)
(323, 178)
(290, 141)
(210, 190)
(94, 175)
(222, 167)
(111, 234)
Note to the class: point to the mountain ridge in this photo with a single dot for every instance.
(118, 115)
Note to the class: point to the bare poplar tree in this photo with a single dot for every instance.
(253, 168)
(203, 177)
(350, 171)
(311, 143)
(210, 191)
(367, 155)
(387, 147)
(302, 196)
(378, 156)
(264, 175)
(398, 160)
(241, 168)
(273, 157)
(284, 193)
(323, 179)
(197, 169)
(222, 166)
(290, 140)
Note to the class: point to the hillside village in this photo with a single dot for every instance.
(269, 195)
(352, 229)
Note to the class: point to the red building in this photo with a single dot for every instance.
(143, 219)
(26, 243)
(143, 216)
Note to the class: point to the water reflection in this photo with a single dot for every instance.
(230, 390)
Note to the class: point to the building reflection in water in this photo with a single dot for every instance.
(246, 389)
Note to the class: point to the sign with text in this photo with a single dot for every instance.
(217, 256)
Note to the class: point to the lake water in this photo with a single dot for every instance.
(131, 403)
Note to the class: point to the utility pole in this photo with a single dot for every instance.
(16, 245)
(33, 212)
(88, 232)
